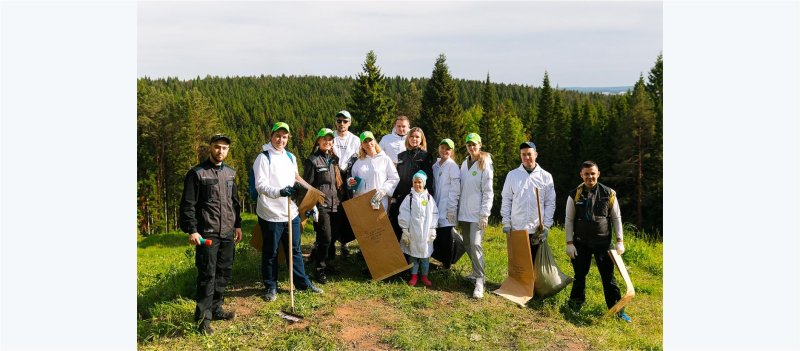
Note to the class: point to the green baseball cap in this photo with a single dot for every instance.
(473, 137)
(448, 142)
(366, 135)
(280, 125)
(323, 132)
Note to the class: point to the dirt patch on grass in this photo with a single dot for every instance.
(361, 324)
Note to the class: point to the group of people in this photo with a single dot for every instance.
(424, 196)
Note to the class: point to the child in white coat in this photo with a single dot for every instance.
(418, 219)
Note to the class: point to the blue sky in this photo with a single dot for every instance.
(578, 43)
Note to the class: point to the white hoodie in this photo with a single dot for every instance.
(271, 176)
(476, 191)
(344, 148)
(376, 172)
(393, 145)
(418, 214)
(518, 208)
(448, 189)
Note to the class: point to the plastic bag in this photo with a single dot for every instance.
(448, 247)
(549, 279)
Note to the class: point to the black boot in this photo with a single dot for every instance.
(205, 327)
(320, 276)
(221, 314)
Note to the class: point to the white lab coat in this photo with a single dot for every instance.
(418, 214)
(448, 189)
(518, 208)
(345, 148)
(270, 177)
(393, 144)
(476, 192)
(376, 172)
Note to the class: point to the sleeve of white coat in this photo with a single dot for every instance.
(434, 215)
(261, 172)
(487, 191)
(569, 221)
(455, 190)
(549, 203)
(616, 220)
(404, 217)
(505, 205)
(392, 178)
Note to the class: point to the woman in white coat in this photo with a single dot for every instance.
(418, 219)
(475, 206)
(448, 190)
(373, 170)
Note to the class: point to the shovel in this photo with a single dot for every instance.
(290, 316)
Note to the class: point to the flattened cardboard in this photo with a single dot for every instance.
(518, 287)
(623, 271)
(257, 242)
(312, 198)
(375, 237)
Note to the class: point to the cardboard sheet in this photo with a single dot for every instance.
(257, 242)
(629, 293)
(312, 198)
(375, 237)
(518, 287)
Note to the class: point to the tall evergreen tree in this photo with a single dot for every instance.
(441, 111)
(544, 130)
(654, 166)
(370, 104)
(491, 126)
(410, 102)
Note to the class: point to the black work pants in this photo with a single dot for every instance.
(605, 266)
(214, 267)
(326, 242)
(344, 232)
(394, 212)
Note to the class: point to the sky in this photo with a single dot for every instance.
(579, 44)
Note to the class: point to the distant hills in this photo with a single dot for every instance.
(602, 90)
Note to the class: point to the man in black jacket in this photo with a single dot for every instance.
(210, 209)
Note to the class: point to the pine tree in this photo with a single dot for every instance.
(410, 102)
(544, 130)
(441, 111)
(370, 103)
(654, 166)
(491, 125)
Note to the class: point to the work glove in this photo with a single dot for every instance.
(483, 222)
(313, 213)
(572, 252)
(507, 229)
(287, 191)
(451, 217)
(405, 238)
(379, 194)
(620, 247)
(431, 235)
(543, 234)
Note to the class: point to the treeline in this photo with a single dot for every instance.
(622, 133)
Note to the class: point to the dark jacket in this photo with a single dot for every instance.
(319, 170)
(592, 214)
(210, 203)
(410, 162)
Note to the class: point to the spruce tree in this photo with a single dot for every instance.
(370, 104)
(440, 116)
(410, 102)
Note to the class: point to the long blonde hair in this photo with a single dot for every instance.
(423, 145)
(481, 159)
(362, 153)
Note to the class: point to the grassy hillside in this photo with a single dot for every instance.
(356, 313)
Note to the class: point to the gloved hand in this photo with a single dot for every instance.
(351, 182)
(431, 235)
(287, 191)
(572, 252)
(405, 238)
(379, 194)
(451, 217)
(313, 213)
(620, 247)
(507, 229)
(483, 222)
(543, 234)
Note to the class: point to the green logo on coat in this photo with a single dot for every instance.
(474, 173)
(424, 202)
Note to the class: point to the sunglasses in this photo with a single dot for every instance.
(342, 121)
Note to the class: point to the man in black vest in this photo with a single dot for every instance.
(210, 209)
(592, 210)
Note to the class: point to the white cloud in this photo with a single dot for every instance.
(579, 43)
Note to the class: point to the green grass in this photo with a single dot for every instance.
(356, 313)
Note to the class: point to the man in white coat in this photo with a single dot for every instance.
(395, 142)
(519, 207)
(345, 146)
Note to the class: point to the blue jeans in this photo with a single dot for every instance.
(420, 264)
(274, 233)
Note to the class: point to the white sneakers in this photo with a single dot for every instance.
(478, 292)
